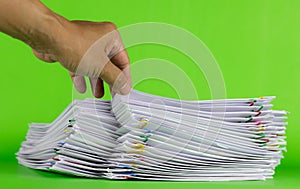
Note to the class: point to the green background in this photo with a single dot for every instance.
(256, 44)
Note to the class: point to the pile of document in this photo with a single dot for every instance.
(142, 136)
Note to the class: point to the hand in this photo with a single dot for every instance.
(86, 50)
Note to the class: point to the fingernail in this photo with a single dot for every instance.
(79, 84)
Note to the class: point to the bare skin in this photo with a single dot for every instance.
(92, 49)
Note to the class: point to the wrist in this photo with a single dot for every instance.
(46, 32)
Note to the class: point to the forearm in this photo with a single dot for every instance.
(31, 22)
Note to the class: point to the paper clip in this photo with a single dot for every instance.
(252, 101)
(138, 151)
(260, 108)
(66, 130)
(147, 130)
(265, 140)
(261, 128)
(261, 135)
(127, 176)
(124, 166)
(145, 138)
(258, 123)
(250, 119)
(56, 159)
(72, 120)
(138, 146)
(273, 145)
(258, 113)
(56, 150)
(145, 123)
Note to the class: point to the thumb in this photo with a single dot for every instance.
(115, 78)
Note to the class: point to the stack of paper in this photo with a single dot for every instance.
(149, 137)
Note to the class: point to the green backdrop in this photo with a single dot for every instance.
(256, 43)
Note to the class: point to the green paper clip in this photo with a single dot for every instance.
(145, 138)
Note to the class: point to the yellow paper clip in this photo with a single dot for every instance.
(261, 128)
(138, 146)
(145, 123)
(139, 151)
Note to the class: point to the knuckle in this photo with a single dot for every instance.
(111, 25)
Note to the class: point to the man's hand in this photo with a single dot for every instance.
(96, 51)
(85, 48)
